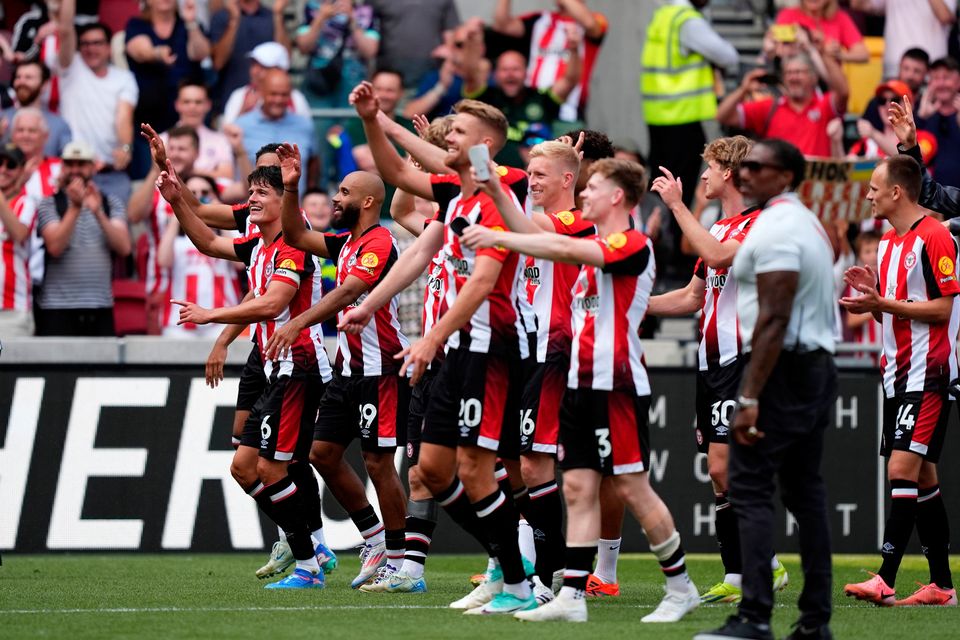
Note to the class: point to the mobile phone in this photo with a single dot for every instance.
(784, 32)
(769, 78)
(480, 159)
(458, 225)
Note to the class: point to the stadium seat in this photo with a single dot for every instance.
(865, 77)
(129, 307)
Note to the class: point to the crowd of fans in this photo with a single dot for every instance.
(225, 79)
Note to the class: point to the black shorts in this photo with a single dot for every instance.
(474, 403)
(252, 381)
(372, 408)
(716, 402)
(419, 399)
(606, 431)
(540, 406)
(917, 422)
(281, 421)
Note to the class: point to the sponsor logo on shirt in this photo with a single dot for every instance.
(946, 266)
(287, 264)
(590, 304)
(369, 260)
(718, 281)
(460, 266)
(532, 274)
(616, 240)
(566, 218)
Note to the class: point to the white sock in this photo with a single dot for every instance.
(283, 536)
(521, 589)
(608, 551)
(733, 579)
(412, 569)
(319, 538)
(377, 538)
(569, 593)
(525, 539)
(492, 564)
(774, 562)
(310, 564)
(680, 583)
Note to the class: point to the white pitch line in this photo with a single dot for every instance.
(216, 609)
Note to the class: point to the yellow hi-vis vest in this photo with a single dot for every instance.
(674, 88)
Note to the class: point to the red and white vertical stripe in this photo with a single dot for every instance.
(15, 278)
(200, 279)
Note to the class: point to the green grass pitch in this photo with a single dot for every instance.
(217, 596)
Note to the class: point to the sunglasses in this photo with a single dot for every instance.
(883, 101)
(9, 164)
(753, 166)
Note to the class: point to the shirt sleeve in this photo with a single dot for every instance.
(137, 27)
(445, 188)
(46, 213)
(779, 254)
(754, 114)
(244, 247)
(218, 26)
(373, 259)
(700, 269)
(604, 28)
(939, 265)
(849, 34)
(129, 92)
(241, 214)
(289, 265)
(696, 35)
(571, 223)
(118, 210)
(625, 253)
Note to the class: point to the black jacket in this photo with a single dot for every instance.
(935, 196)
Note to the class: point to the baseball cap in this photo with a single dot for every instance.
(899, 88)
(12, 152)
(272, 55)
(536, 133)
(77, 150)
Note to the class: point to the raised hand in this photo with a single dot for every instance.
(234, 135)
(169, 186)
(92, 199)
(420, 124)
(75, 190)
(862, 279)
(574, 33)
(157, 151)
(188, 11)
(364, 101)
(902, 123)
(669, 188)
(289, 165)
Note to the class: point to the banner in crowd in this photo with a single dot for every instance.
(837, 189)
(137, 458)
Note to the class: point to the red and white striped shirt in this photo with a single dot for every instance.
(608, 305)
(368, 257)
(157, 278)
(200, 279)
(15, 257)
(719, 327)
(554, 289)
(279, 262)
(496, 326)
(548, 56)
(920, 266)
(44, 180)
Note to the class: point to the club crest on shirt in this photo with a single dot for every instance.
(814, 115)
(616, 240)
(909, 260)
(268, 270)
(946, 266)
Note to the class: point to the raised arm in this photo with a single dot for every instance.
(727, 109)
(67, 33)
(505, 22)
(138, 207)
(679, 302)
(391, 166)
(295, 232)
(716, 254)
(223, 47)
(203, 238)
(571, 75)
(550, 246)
(514, 218)
(403, 210)
(16, 230)
(429, 156)
(198, 46)
(587, 19)
(165, 253)
(837, 82)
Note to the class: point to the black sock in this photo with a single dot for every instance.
(395, 540)
(933, 529)
(545, 515)
(521, 500)
(421, 521)
(896, 535)
(579, 561)
(498, 517)
(302, 474)
(455, 502)
(367, 522)
(288, 514)
(503, 478)
(728, 535)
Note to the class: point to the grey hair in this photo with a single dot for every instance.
(31, 111)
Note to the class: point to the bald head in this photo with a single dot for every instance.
(276, 89)
(358, 201)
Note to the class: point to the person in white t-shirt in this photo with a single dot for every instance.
(911, 23)
(216, 158)
(97, 99)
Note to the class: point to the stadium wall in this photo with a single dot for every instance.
(107, 445)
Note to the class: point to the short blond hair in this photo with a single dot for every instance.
(728, 153)
(436, 132)
(626, 174)
(492, 117)
(559, 151)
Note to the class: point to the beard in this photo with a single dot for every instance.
(347, 217)
(27, 95)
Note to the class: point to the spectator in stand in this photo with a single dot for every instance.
(318, 209)
(522, 105)
(275, 121)
(81, 227)
(801, 115)
(216, 153)
(546, 31)
(35, 38)
(913, 69)
(194, 277)
(235, 31)
(18, 215)
(340, 41)
(863, 328)
(442, 88)
(830, 25)
(98, 100)
(263, 58)
(163, 49)
(410, 30)
(388, 88)
(29, 133)
(911, 23)
(882, 143)
(30, 79)
(937, 113)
